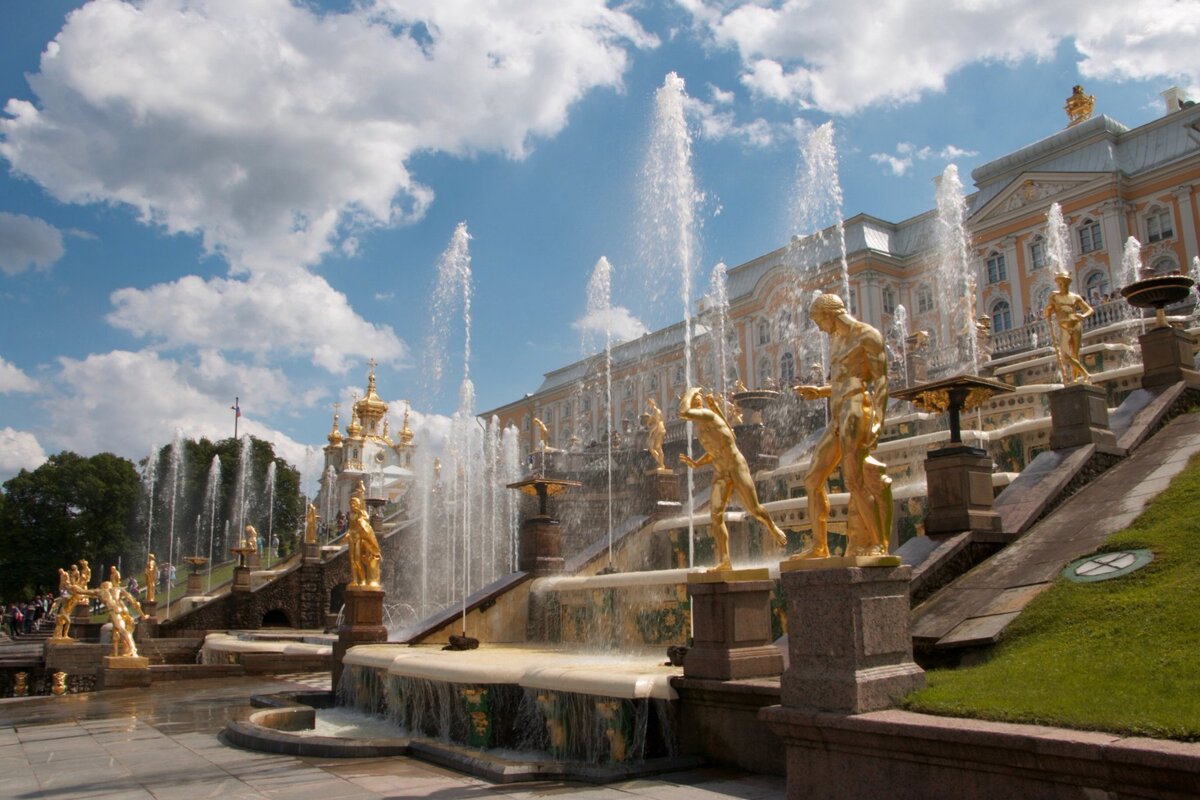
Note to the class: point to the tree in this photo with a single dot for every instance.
(71, 507)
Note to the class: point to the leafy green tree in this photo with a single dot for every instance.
(71, 507)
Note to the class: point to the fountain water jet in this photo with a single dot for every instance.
(599, 307)
(816, 209)
(953, 272)
(211, 488)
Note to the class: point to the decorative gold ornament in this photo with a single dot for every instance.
(857, 394)
(21, 684)
(58, 684)
(1078, 106)
(731, 473)
(1065, 313)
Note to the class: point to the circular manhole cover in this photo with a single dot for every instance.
(1107, 565)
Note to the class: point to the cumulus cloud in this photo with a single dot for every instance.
(819, 53)
(12, 379)
(276, 132)
(286, 311)
(127, 402)
(616, 320)
(906, 153)
(18, 450)
(27, 242)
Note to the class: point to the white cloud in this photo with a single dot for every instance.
(286, 311)
(907, 153)
(128, 402)
(821, 53)
(18, 450)
(617, 320)
(12, 379)
(27, 242)
(276, 132)
(716, 124)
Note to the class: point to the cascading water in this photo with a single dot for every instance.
(816, 209)
(599, 313)
(669, 228)
(957, 347)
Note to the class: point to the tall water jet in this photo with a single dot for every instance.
(816, 209)
(149, 477)
(897, 342)
(1131, 271)
(269, 490)
(599, 316)
(718, 323)
(668, 232)
(957, 349)
(212, 488)
(241, 500)
(177, 482)
(1058, 248)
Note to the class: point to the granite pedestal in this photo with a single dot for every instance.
(1167, 357)
(241, 579)
(195, 584)
(849, 640)
(661, 492)
(312, 553)
(1079, 416)
(123, 672)
(959, 481)
(362, 623)
(541, 547)
(732, 631)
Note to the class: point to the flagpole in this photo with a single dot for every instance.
(237, 412)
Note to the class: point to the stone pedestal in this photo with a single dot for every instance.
(959, 481)
(147, 628)
(195, 584)
(661, 492)
(253, 560)
(849, 639)
(1167, 357)
(312, 553)
(541, 547)
(1079, 416)
(122, 672)
(732, 630)
(362, 623)
(241, 578)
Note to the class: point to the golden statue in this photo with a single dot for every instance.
(731, 473)
(857, 393)
(364, 549)
(250, 537)
(657, 432)
(72, 590)
(733, 412)
(543, 434)
(117, 601)
(739, 386)
(151, 576)
(1065, 313)
(310, 524)
(1078, 106)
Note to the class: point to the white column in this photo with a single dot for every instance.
(1115, 231)
(870, 299)
(1008, 246)
(1187, 223)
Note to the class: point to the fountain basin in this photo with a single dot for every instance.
(1158, 292)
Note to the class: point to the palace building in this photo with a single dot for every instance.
(1111, 182)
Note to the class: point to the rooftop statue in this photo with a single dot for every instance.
(364, 548)
(657, 432)
(1065, 313)
(731, 473)
(857, 393)
(1078, 106)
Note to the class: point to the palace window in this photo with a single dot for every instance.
(1001, 316)
(1037, 252)
(1090, 238)
(996, 269)
(787, 369)
(924, 299)
(764, 332)
(1164, 266)
(854, 302)
(1159, 225)
(586, 402)
(628, 389)
(652, 383)
(889, 300)
(1096, 286)
(525, 423)
(680, 376)
(785, 325)
(764, 371)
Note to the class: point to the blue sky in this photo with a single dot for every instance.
(209, 198)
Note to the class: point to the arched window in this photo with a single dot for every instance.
(586, 402)
(787, 369)
(1096, 286)
(997, 270)
(1165, 266)
(1037, 252)
(889, 300)
(1001, 316)
(764, 332)
(764, 371)
(1090, 238)
(1159, 224)
(1040, 298)
(924, 299)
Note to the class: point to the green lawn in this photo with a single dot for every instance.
(1120, 655)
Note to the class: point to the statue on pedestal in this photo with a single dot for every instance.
(657, 431)
(310, 524)
(731, 473)
(72, 590)
(117, 602)
(151, 575)
(364, 548)
(857, 393)
(1065, 313)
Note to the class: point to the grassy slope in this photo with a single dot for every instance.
(1121, 655)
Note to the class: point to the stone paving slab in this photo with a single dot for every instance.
(966, 612)
(162, 744)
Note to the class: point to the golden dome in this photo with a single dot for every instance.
(371, 408)
(335, 436)
(406, 434)
(354, 429)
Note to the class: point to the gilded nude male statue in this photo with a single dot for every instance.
(731, 473)
(657, 431)
(1065, 313)
(857, 393)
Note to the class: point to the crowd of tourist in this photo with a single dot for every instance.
(20, 619)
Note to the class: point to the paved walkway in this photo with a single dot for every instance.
(162, 743)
